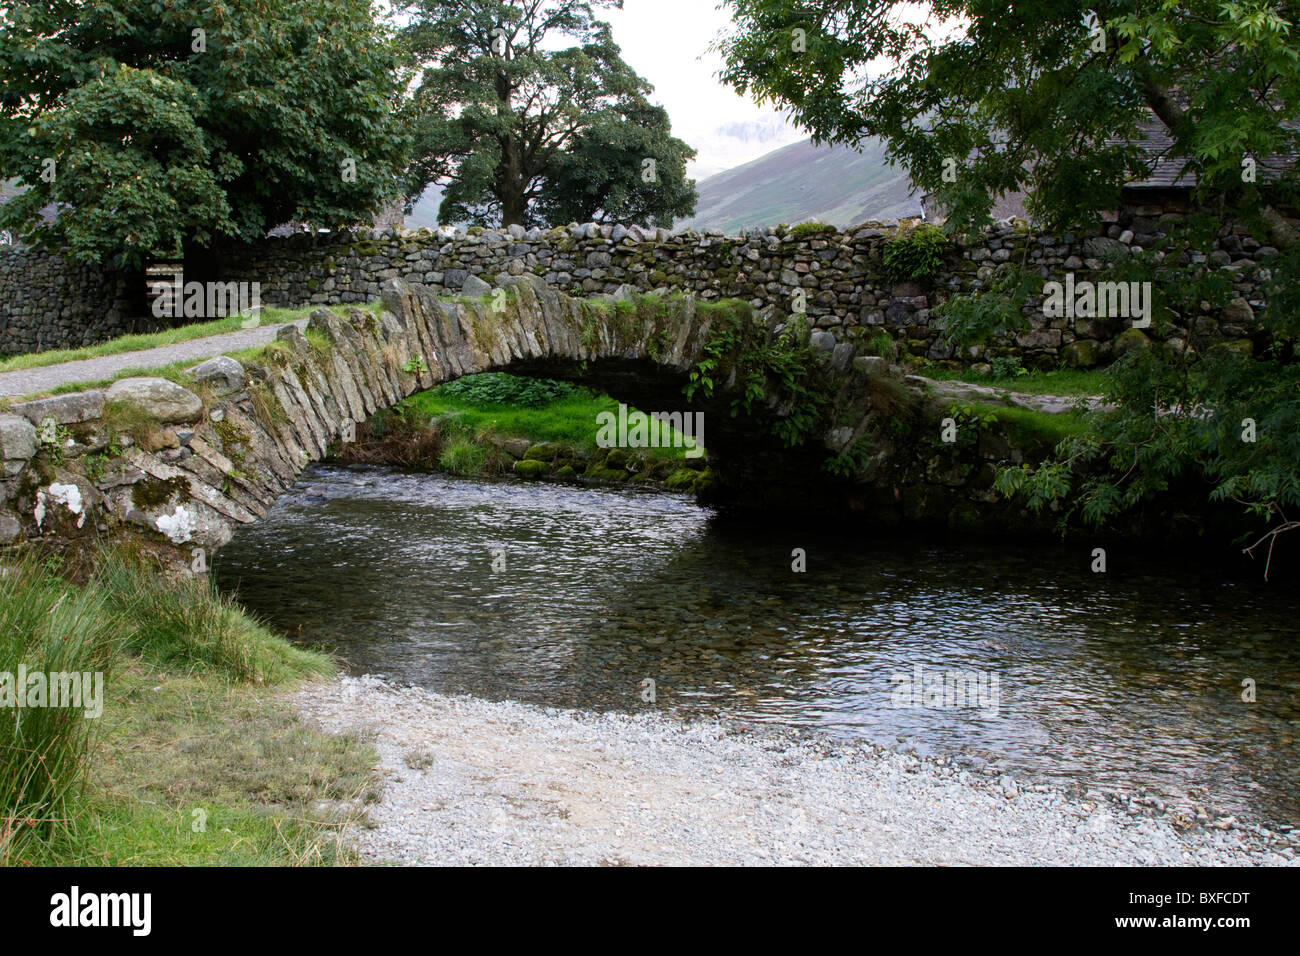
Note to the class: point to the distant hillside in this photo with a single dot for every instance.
(794, 184)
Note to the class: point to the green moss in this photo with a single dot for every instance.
(566, 471)
(806, 229)
(154, 492)
(529, 468)
(542, 452)
(234, 440)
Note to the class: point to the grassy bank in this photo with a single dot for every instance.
(195, 758)
(498, 424)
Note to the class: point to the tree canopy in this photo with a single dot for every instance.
(1050, 98)
(164, 127)
(1047, 97)
(528, 114)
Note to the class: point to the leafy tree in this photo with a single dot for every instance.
(165, 128)
(1029, 96)
(524, 130)
(1050, 98)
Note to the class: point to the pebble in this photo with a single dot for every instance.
(515, 784)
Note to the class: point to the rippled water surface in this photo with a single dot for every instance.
(1105, 681)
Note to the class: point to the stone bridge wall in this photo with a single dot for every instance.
(183, 465)
(841, 274)
(180, 464)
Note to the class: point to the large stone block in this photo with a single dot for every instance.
(17, 438)
(159, 398)
(64, 409)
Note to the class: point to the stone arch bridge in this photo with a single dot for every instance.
(183, 466)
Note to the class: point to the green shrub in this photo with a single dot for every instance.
(1007, 366)
(498, 388)
(915, 256)
(883, 345)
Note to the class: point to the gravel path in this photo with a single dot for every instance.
(469, 781)
(29, 380)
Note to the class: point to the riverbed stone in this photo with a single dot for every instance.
(159, 398)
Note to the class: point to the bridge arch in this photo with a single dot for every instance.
(255, 425)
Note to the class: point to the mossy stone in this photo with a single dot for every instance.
(1131, 339)
(531, 468)
(546, 451)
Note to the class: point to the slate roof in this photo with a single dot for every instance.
(1155, 143)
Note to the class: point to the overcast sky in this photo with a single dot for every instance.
(666, 41)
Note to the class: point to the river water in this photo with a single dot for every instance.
(576, 597)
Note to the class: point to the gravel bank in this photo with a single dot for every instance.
(469, 781)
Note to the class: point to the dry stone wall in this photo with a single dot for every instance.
(840, 273)
(48, 303)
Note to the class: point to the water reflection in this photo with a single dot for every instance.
(1134, 680)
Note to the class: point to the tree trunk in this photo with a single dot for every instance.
(513, 209)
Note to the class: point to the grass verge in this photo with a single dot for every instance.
(196, 758)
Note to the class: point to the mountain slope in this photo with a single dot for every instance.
(833, 184)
